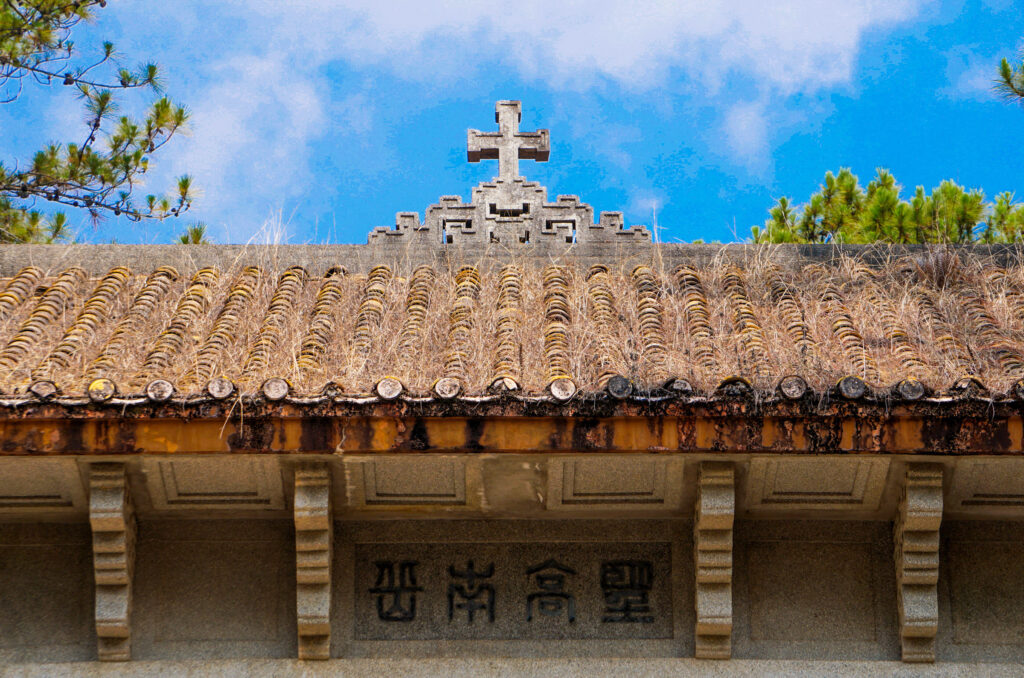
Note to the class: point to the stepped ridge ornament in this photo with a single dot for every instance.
(509, 212)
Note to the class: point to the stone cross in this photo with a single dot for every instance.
(508, 144)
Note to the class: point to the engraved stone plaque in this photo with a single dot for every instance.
(513, 591)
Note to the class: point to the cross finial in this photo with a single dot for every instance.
(508, 144)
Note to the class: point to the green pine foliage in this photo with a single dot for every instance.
(30, 226)
(842, 211)
(195, 234)
(98, 172)
(1010, 82)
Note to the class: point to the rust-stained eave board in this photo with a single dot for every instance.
(969, 428)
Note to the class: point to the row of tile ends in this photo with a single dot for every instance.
(619, 388)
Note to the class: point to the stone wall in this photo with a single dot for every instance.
(224, 589)
(317, 259)
(768, 557)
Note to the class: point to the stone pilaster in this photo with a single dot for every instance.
(313, 528)
(113, 549)
(712, 541)
(917, 561)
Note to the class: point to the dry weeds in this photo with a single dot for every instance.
(979, 309)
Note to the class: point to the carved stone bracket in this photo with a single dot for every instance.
(113, 549)
(917, 561)
(712, 537)
(313, 559)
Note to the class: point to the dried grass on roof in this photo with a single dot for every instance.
(973, 307)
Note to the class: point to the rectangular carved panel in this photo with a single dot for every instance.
(215, 483)
(822, 483)
(313, 530)
(415, 481)
(515, 590)
(113, 545)
(992, 487)
(713, 546)
(389, 483)
(41, 485)
(597, 482)
(917, 561)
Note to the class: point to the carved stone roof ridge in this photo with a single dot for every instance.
(509, 211)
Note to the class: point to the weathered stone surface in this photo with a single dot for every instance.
(988, 487)
(987, 581)
(713, 547)
(508, 145)
(46, 593)
(314, 531)
(811, 592)
(226, 588)
(112, 518)
(215, 588)
(389, 563)
(508, 213)
(517, 668)
(42, 486)
(202, 484)
(390, 483)
(512, 591)
(816, 484)
(980, 591)
(814, 589)
(597, 483)
(917, 560)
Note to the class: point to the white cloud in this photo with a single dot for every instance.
(775, 48)
(746, 132)
(250, 131)
(795, 45)
(969, 74)
(644, 204)
(263, 96)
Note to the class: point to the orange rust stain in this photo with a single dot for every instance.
(633, 434)
(289, 434)
(51, 438)
(906, 435)
(43, 436)
(670, 433)
(770, 433)
(446, 434)
(511, 434)
(706, 434)
(517, 434)
(1015, 428)
(370, 434)
(846, 441)
(384, 433)
(798, 436)
(181, 437)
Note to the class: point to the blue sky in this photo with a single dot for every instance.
(316, 120)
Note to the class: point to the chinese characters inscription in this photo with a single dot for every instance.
(470, 591)
(551, 598)
(532, 590)
(627, 585)
(396, 590)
